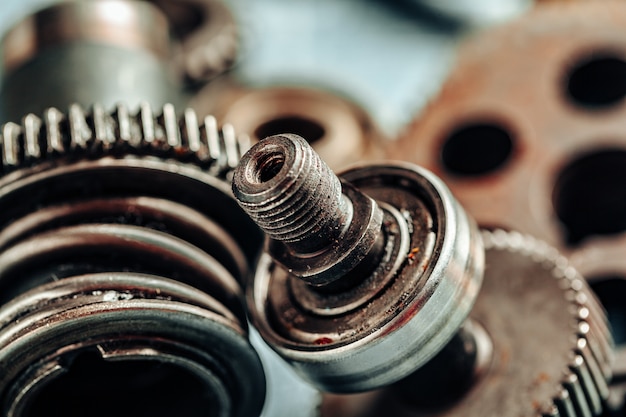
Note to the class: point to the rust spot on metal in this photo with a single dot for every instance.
(323, 341)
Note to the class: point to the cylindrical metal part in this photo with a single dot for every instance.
(102, 51)
(98, 338)
(320, 229)
(122, 256)
(551, 346)
(338, 128)
(423, 280)
(288, 190)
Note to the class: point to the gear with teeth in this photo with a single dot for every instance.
(551, 343)
(97, 133)
(551, 349)
(122, 249)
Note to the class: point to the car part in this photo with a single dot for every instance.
(104, 51)
(349, 252)
(602, 263)
(550, 354)
(338, 129)
(348, 281)
(111, 51)
(532, 137)
(121, 267)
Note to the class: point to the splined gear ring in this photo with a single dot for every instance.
(98, 133)
(113, 226)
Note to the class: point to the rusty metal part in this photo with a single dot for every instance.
(528, 131)
(123, 254)
(208, 36)
(338, 129)
(532, 136)
(551, 345)
(416, 270)
(320, 230)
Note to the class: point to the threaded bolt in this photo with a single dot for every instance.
(290, 193)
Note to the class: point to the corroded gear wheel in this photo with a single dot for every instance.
(550, 337)
(528, 130)
(551, 347)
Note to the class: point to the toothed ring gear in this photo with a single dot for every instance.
(122, 254)
(552, 347)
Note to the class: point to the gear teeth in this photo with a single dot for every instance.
(213, 140)
(563, 403)
(98, 133)
(10, 144)
(32, 128)
(191, 131)
(583, 389)
(231, 146)
(80, 134)
(127, 133)
(53, 136)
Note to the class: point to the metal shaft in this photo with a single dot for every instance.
(105, 51)
(292, 194)
(375, 283)
(320, 229)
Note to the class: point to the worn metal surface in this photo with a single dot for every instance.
(207, 33)
(357, 330)
(394, 98)
(94, 338)
(55, 137)
(551, 344)
(100, 211)
(528, 131)
(319, 229)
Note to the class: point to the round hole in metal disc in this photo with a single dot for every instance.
(308, 129)
(98, 388)
(597, 81)
(590, 195)
(476, 149)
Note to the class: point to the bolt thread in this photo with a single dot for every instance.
(292, 194)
